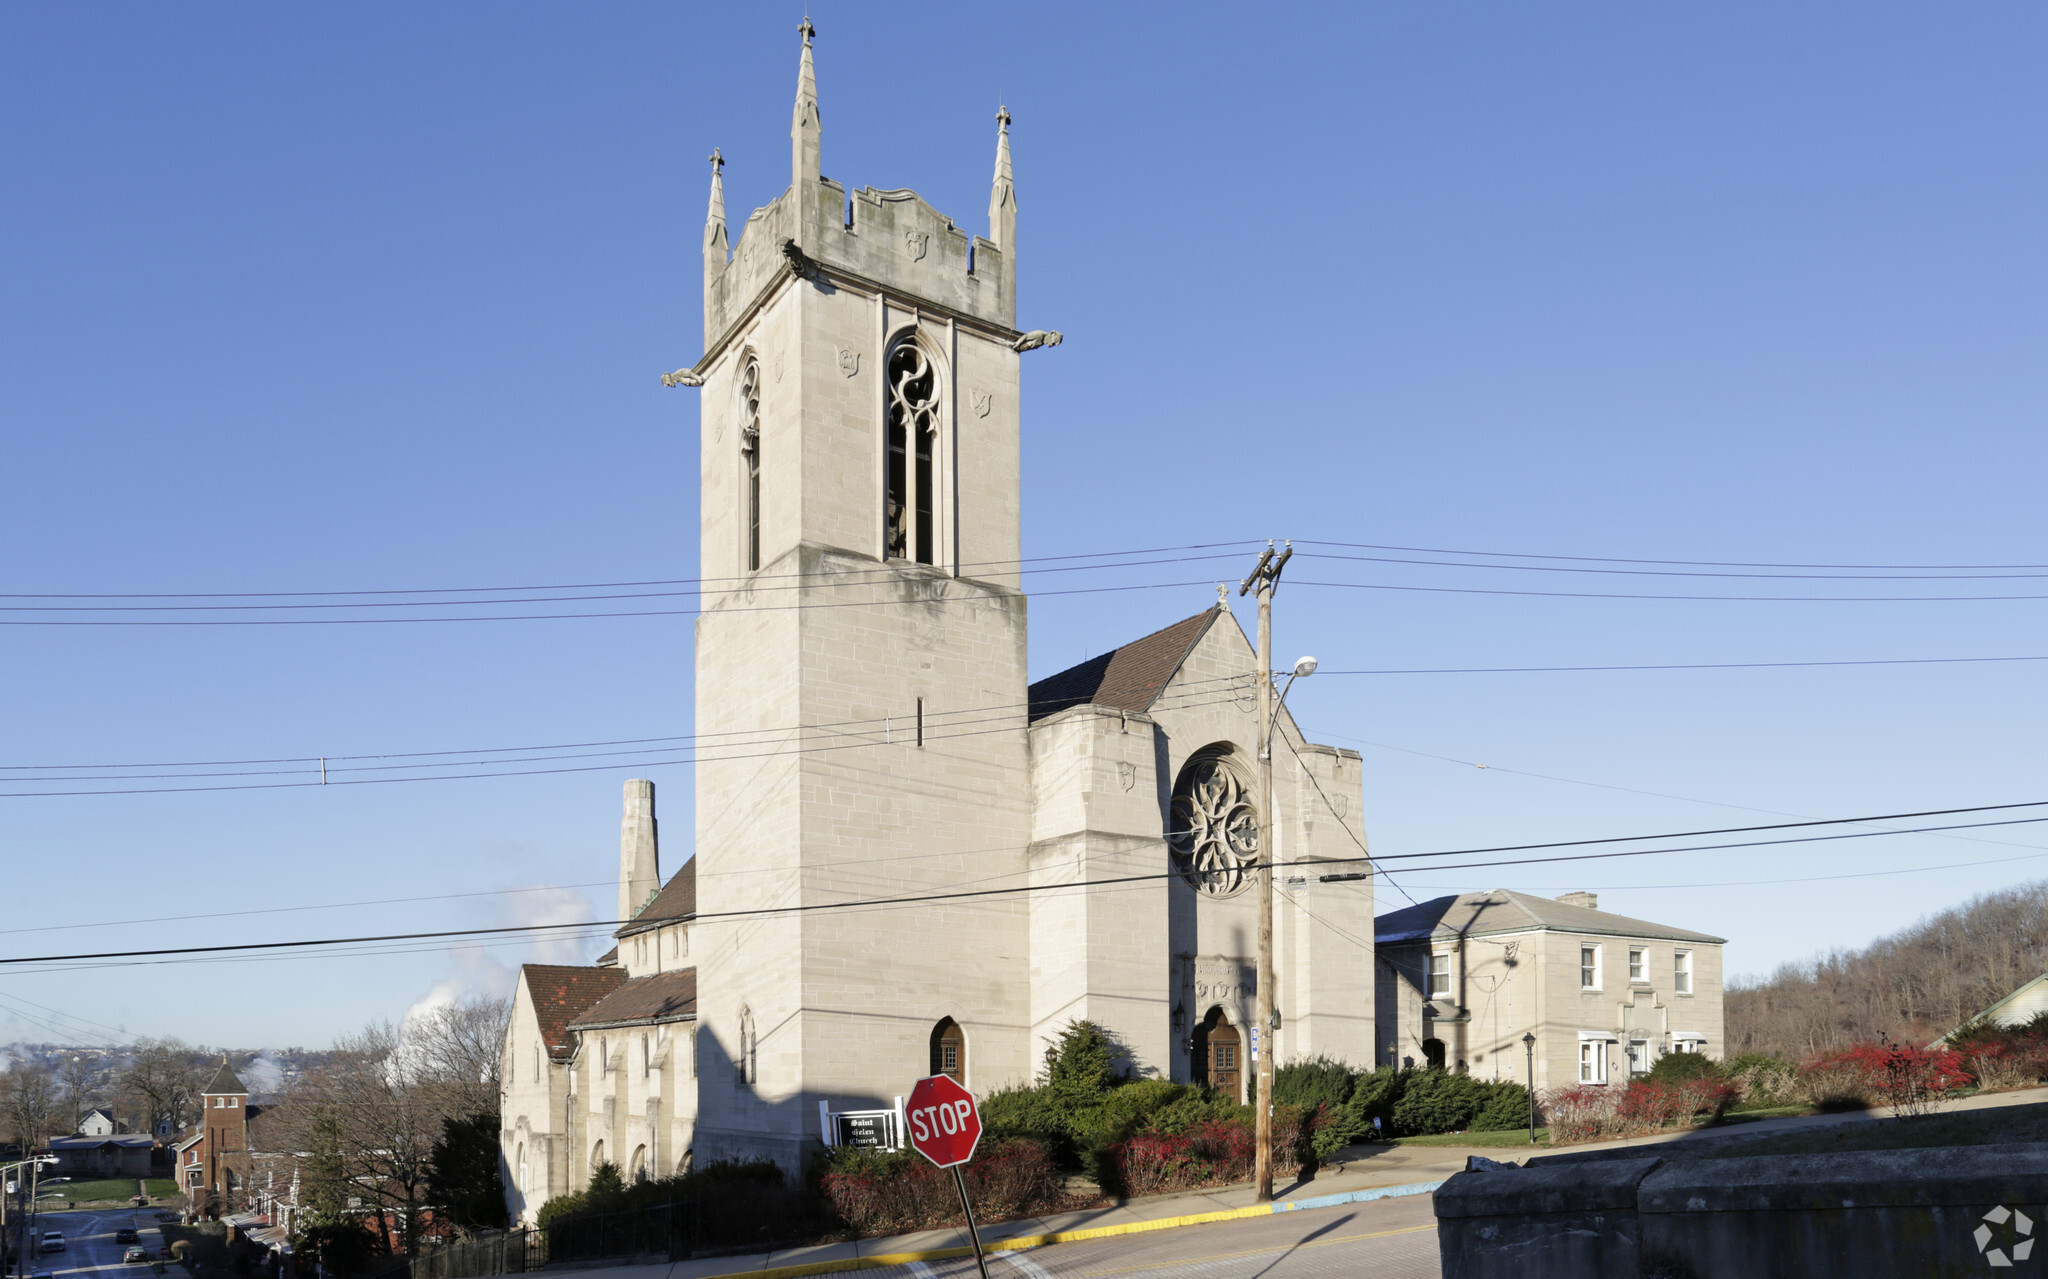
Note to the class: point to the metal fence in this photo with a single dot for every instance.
(669, 1231)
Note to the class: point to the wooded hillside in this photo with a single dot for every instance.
(1911, 986)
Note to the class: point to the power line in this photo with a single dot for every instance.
(1681, 666)
(1655, 572)
(591, 586)
(1608, 559)
(921, 600)
(1623, 595)
(923, 898)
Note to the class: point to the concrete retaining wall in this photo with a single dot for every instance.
(1970, 1210)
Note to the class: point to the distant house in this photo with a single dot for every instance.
(2016, 1009)
(1462, 979)
(98, 1122)
(118, 1155)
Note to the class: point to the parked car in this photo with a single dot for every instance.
(135, 1254)
(53, 1241)
(126, 1234)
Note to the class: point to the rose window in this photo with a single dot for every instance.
(1215, 835)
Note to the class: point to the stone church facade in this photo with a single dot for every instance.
(867, 732)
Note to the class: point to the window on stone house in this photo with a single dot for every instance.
(1589, 968)
(750, 464)
(1681, 972)
(1439, 976)
(908, 519)
(1592, 1061)
(1638, 964)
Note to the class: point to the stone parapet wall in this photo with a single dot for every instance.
(1965, 1210)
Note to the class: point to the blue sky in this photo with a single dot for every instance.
(374, 297)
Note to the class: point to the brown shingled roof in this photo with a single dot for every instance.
(1127, 678)
(678, 900)
(561, 993)
(663, 997)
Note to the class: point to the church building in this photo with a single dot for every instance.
(909, 859)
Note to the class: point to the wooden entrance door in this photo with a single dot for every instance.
(1219, 1054)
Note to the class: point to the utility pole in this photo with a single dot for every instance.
(1264, 577)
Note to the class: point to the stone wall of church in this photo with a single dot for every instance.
(533, 1106)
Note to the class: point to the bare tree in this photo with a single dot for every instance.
(30, 1103)
(456, 1048)
(369, 1117)
(165, 1078)
(80, 1082)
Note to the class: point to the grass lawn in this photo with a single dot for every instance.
(1969, 1128)
(114, 1188)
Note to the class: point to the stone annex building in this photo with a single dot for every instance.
(867, 732)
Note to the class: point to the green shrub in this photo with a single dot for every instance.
(1504, 1107)
(1437, 1101)
(1671, 1068)
(1764, 1080)
(1373, 1097)
(1319, 1081)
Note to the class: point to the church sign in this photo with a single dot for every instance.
(861, 1129)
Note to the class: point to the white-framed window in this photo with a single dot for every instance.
(1589, 968)
(1681, 971)
(1439, 976)
(1592, 1061)
(1638, 965)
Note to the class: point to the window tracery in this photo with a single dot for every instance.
(1215, 833)
(909, 524)
(750, 461)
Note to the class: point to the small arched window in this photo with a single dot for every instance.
(597, 1156)
(525, 1182)
(750, 465)
(949, 1050)
(646, 1058)
(909, 518)
(638, 1170)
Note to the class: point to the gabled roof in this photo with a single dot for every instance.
(1128, 678)
(1506, 911)
(1990, 1014)
(645, 1000)
(676, 901)
(607, 960)
(562, 993)
(126, 1140)
(223, 1081)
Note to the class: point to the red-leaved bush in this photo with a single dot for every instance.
(1011, 1179)
(1577, 1112)
(1583, 1112)
(1912, 1081)
(1214, 1152)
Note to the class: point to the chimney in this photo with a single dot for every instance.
(639, 850)
(1591, 901)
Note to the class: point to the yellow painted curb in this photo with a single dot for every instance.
(1013, 1244)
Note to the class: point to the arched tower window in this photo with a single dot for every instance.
(750, 464)
(910, 529)
(744, 1063)
(949, 1050)
(1215, 829)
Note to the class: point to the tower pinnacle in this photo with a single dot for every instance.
(715, 244)
(1002, 212)
(805, 127)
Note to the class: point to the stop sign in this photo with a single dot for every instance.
(944, 1123)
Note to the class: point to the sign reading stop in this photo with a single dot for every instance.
(944, 1123)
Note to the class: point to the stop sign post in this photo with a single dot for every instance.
(945, 1127)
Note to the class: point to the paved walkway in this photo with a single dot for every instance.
(1375, 1174)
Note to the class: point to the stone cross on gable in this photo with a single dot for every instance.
(717, 161)
(806, 29)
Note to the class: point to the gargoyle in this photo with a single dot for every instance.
(1036, 338)
(681, 377)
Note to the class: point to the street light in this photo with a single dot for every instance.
(1529, 1047)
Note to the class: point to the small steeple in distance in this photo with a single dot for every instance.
(805, 128)
(716, 247)
(639, 850)
(1002, 213)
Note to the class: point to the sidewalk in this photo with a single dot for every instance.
(1357, 1174)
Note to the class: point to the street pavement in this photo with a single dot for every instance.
(1386, 1238)
(90, 1249)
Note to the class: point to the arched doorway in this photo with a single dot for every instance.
(1433, 1053)
(1218, 1058)
(949, 1051)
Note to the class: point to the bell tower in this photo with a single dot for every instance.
(860, 656)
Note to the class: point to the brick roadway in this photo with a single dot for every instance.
(1387, 1239)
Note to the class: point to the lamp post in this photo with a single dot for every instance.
(1529, 1047)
